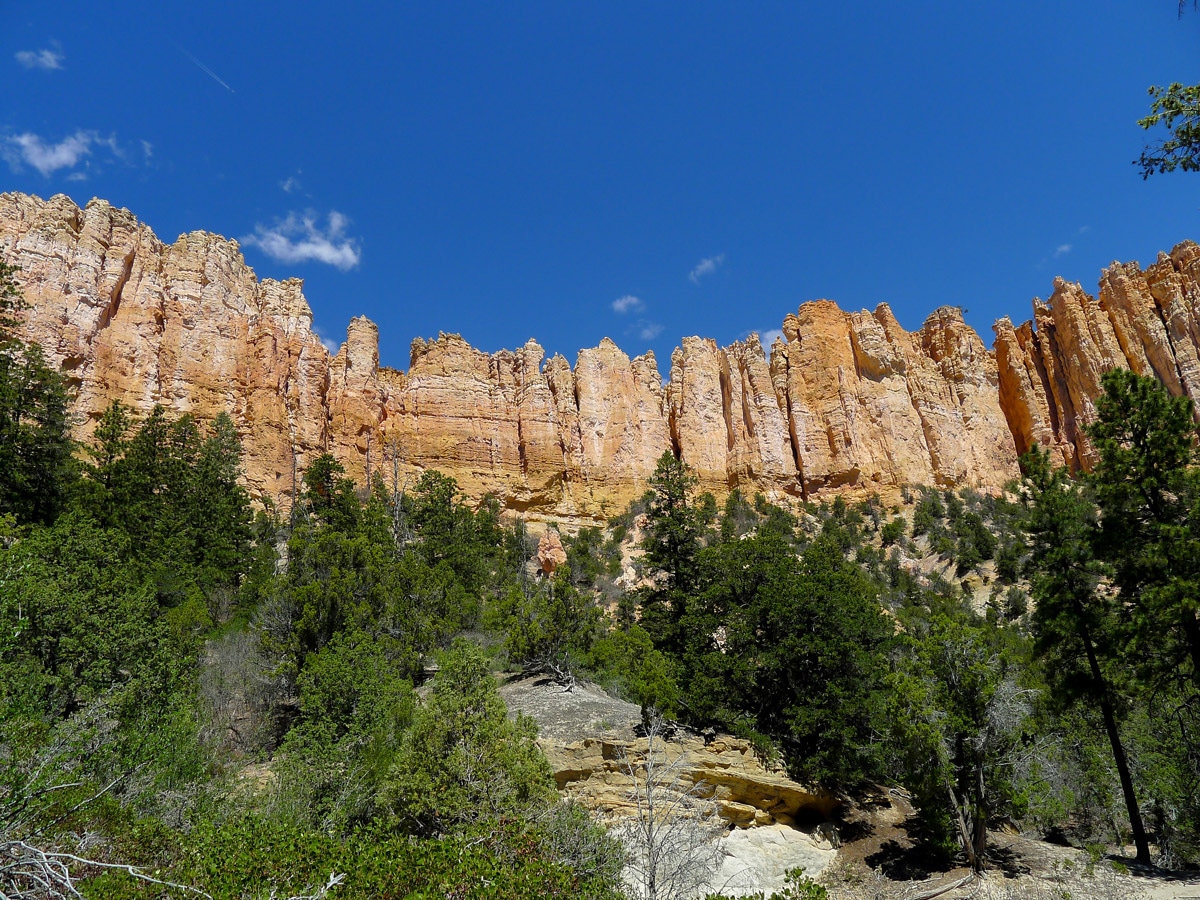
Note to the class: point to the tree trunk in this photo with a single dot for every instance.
(964, 833)
(1114, 739)
(1191, 630)
(979, 825)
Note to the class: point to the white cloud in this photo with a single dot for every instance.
(649, 330)
(768, 337)
(1062, 250)
(41, 59)
(147, 149)
(289, 185)
(30, 149)
(328, 343)
(627, 303)
(299, 238)
(706, 267)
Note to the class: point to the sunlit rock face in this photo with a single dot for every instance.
(848, 401)
(187, 325)
(874, 406)
(1050, 368)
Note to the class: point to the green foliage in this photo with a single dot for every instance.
(252, 856)
(464, 761)
(351, 574)
(1009, 562)
(329, 494)
(1177, 109)
(548, 626)
(36, 465)
(339, 580)
(354, 709)
(928, 512)
(264, 559)
(591, 557)
(78, 617)
(673, 539)
(12, 302)
(955, 508)
(1115, 650)
(1148, 493)
(961, 719)
(790, 649)
(676, 527)
(449, 533)
(1071, 614)
(626, 663)
(173, 489)
(892, 532)
(976, 543)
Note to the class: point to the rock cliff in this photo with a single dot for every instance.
(592, 743)
(848, 401)
(1050, 368)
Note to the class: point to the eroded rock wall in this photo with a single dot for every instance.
(1050, 368)
(848, 401)
(187, 325)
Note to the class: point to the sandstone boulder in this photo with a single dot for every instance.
(550, 552)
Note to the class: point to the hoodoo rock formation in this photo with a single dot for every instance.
(849, 401)
(1147, 321)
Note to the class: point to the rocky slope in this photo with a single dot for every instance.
(848, 401)
(592, 742)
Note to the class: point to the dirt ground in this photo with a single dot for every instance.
(880, 855)
(881, 859)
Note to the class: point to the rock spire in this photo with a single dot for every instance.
(846, 401)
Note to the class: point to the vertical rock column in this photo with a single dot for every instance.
(726, 419)
(1051, 368)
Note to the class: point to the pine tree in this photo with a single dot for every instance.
(1074, 625)
(36, 466)
(1148, 492)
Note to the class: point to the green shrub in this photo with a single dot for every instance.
(892, 532)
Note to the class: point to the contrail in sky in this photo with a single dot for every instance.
(207, 71)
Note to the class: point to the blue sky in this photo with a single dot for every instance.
(644, 171)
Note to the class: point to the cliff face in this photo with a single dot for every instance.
(187, 325)
(848, 401)
(1050, 368)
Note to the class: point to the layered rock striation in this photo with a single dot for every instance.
(847, 401)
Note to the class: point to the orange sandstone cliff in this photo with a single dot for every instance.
(848, 401)
(1050, 368)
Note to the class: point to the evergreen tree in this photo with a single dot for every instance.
(1148, 492)
(673, 538)
(790, 650)
(219, 508)
(1074, 625)
(548, 626)
(464, 761)
(960, 715)
(174, 490)
(449, 534)
(330, 494)
(36, 465)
